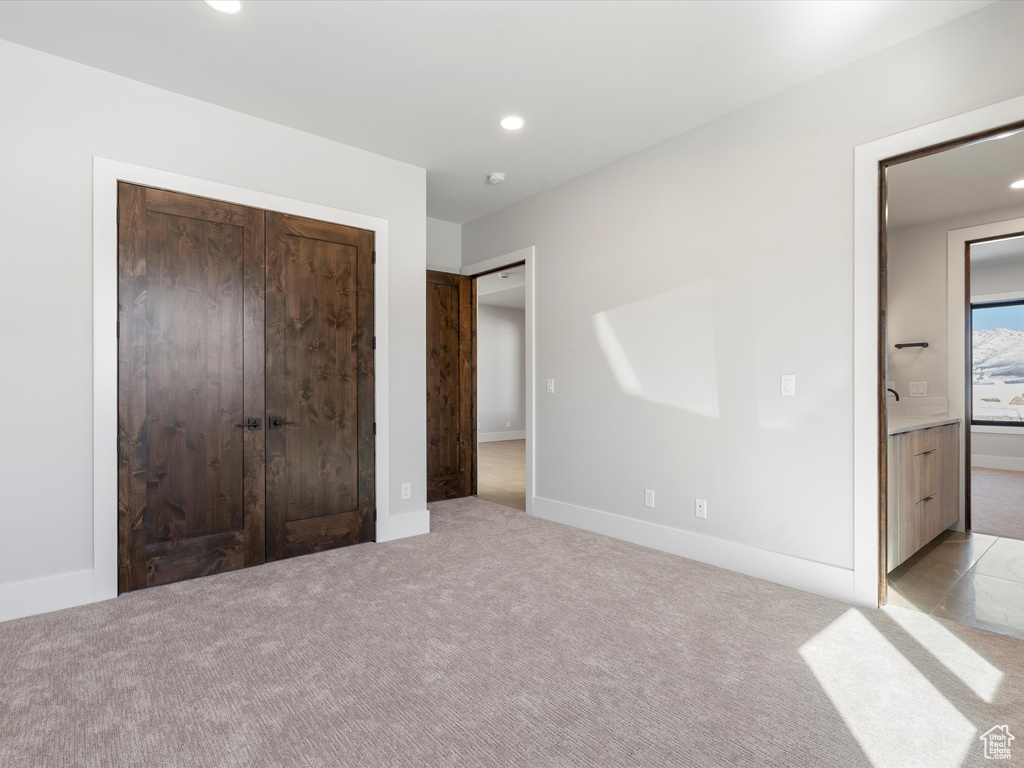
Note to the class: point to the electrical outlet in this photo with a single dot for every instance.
(702, 508)
(648, 498)
(406, 490)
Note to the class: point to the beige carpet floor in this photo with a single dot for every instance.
(997, 502)
(498, 640)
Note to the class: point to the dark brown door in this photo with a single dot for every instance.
(245, 374)
(451, 380)
(190, 369)
(320, 429)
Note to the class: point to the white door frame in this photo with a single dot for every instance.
(522, 255)
(106, 174)
(865, 320)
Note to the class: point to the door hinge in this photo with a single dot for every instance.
(119, 329)
(119, 214)
(375, 427)
(374, 257)
(119, 561)
(374, 342)
(375, 514)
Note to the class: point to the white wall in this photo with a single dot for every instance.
(998, 278)
(501, 372)
(918, 308)
(444, 245)
(714, 263)
(57, 115)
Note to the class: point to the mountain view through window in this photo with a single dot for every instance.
(998, 362)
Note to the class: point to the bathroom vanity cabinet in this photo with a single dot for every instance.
(923, 485)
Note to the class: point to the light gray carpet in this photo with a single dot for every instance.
(498, 639)
(997, 502)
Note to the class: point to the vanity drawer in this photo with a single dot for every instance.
(927, 469)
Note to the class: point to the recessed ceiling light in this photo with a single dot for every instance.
(1017, 184)
(225, 6)
(511, 123)
(495, 178)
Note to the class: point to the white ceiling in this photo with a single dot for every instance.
(426, 82)
(958, 182)
(497, 291)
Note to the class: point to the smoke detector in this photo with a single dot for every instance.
(495, 178)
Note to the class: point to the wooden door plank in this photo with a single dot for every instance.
(194, 289)
(131, 496)
(254, 459)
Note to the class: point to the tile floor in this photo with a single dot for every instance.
(971, 578)
(501, 472)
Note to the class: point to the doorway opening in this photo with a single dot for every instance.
(501, 386)
(951, 293)
(481, 382)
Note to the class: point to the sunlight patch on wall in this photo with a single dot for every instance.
(896, 715)
(662, 348)
(953, 653)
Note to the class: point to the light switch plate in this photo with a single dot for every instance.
(788, 385)
(551, 386)
(919, 389)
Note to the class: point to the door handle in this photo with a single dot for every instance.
(275, 422)
(253, 424)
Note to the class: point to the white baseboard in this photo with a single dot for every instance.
(410, 524)
(819, 578)
(997, 462)
(497, 437)
(27, 598)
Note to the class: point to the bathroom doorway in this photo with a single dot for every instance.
(945, 220)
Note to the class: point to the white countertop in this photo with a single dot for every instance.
(896, 426)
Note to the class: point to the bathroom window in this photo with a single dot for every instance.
(997, 375)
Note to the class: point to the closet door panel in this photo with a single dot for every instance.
(320, 440)
(185, 464)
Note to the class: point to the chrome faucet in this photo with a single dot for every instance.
(895, 393)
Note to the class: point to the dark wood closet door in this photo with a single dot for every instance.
(190, 371)
(320, 436)
(451, 384)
